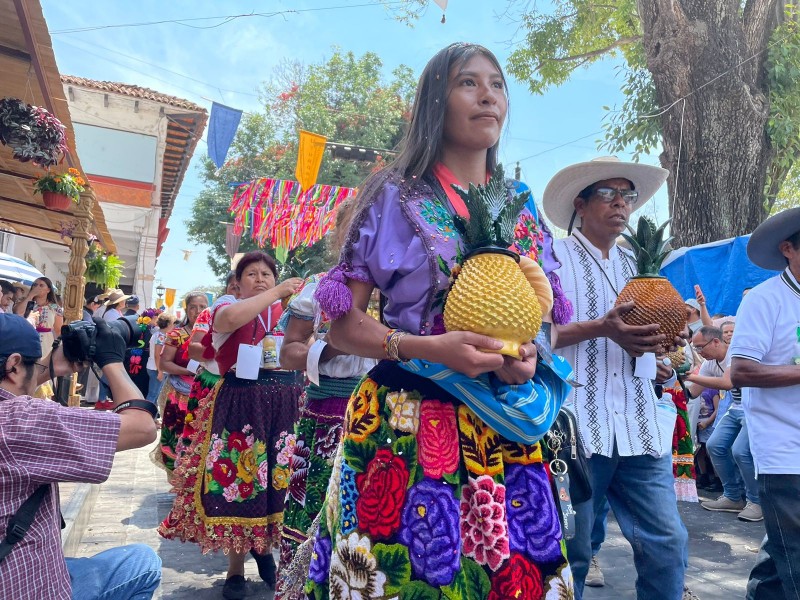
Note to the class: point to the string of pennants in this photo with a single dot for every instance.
(277, 212)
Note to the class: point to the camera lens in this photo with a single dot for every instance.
(128, 329)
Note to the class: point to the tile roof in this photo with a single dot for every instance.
(134, 91)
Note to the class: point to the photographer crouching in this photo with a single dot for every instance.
(43, 443)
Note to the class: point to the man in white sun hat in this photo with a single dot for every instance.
(624, 423)
(765, 360)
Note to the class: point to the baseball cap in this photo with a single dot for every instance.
(132, 301)
(17, 335)
(693, 303)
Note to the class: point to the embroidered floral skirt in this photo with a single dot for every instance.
(432, 503)
(317, 435)
(172, 405)
(196, 410)
(230, 485)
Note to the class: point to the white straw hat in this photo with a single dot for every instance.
(565, 185)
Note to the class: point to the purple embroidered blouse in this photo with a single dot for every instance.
(405, 244)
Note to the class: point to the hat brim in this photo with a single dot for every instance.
(565, 185)
(762, 249)
(112, 301)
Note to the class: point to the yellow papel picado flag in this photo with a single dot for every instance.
(309, 158)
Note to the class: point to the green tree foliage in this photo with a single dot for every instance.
(345, 98)
(669, 50)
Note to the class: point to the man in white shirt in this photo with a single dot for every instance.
(729, 444)
(625, 425)
(765, 353)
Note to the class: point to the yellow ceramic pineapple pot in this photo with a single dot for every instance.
(492, 296)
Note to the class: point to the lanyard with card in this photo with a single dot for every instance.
(250, 357)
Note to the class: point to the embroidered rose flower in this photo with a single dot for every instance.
(320, 559)
(348, 493)
(437, 439)
(405, 412)
(246, 468)
(237, 441)
(280, 478)
(533, 524)
(362, 411)
(354, 571)
(431, 532)
(245, 490)
(484, 534)
(231, 493)
(286, 448)
(224, 472)
(519, 578)
(381, 491)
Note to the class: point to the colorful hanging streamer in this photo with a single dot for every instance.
(276, 212)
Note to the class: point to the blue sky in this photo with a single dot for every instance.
(229, 62)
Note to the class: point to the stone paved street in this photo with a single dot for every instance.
(136, 497)
(719, 559)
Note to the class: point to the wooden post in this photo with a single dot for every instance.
(76, 283)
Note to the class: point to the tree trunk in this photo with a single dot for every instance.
(715, 142)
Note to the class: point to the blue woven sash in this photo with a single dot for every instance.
(520, 413)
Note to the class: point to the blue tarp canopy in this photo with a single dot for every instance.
(722, 270)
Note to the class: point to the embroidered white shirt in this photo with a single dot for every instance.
(766, 332)
(613, 406)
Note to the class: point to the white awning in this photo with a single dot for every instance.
(16, 269)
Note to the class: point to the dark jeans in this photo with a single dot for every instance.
(599, 527)
(641, 492)
(776, 574)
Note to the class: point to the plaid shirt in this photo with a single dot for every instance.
(42, 442)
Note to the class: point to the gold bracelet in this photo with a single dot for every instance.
(393, 345)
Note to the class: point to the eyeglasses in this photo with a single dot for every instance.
(42, 367)
(607, 194)
(700, 348)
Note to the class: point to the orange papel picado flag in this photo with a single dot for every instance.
(309, 158)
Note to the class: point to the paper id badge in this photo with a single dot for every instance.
(248, 361)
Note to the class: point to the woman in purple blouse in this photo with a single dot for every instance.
(426, 495)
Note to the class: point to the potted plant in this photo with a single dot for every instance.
(31, 132)
(103, 269)
(60, 189)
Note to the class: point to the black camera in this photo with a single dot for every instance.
(79, 338)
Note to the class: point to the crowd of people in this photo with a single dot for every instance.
(388, 457)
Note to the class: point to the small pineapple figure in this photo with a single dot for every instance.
(491, 294)
(656, 300)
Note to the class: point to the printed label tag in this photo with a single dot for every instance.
(248, 361)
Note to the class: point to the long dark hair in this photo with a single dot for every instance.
(51, 295)
(421, 146)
